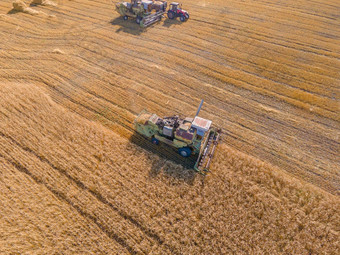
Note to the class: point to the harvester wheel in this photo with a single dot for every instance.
(184, 152)
(182, 18)
(125, 17)
(155, 140)
(171, 15)
(138, 20)
(187, 16)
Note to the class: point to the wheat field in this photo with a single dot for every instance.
(76, 179)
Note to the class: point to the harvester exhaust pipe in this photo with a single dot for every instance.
(199, 108)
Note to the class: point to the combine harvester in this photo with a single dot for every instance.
(189, 136)
(141, 10)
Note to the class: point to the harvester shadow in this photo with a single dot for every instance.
(13, 11)
(168, 22)
(167, 154)
(127, 26)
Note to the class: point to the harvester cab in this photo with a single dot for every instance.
(189, 135)
(175, 10)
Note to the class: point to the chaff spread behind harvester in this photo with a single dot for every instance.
(188, 136)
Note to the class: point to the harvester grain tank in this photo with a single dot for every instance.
(189, 135)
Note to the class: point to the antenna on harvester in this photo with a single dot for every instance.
(199, 108)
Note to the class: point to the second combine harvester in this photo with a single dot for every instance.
(188, 136)
(147, 12)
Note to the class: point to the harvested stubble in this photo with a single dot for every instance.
(133, 201)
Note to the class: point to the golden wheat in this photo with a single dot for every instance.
(269, 75)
